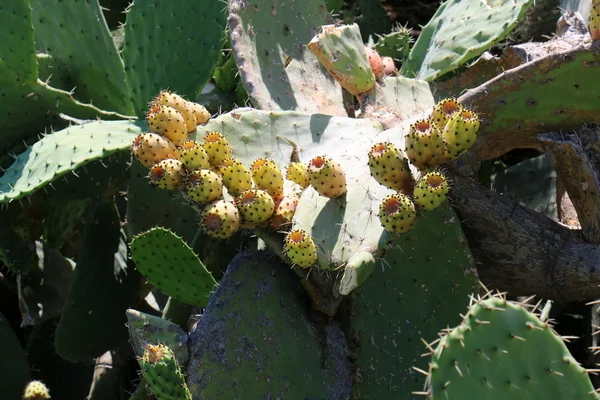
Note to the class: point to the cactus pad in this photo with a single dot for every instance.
(169, 264)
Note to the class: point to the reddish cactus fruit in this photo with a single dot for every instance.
(150, 148)
(168, 122)
(167, 174)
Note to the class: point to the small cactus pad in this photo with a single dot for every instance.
(300, 248)
(36, 390)
(502, 351)
(340, 50)
(150, 148)
(298, 173)
(460, 133)
(443, 111)
(390, 168)
(145, 328)
(220, 219)
(167, 174)
(203, 186)
(193, 156)
(425, 145)
(255, 206)
(397, 213)
(217, 147)
(236, 176)
(431, 191)
(13, 363)
(171, 265)
(168, 122)
(163, 374)
(327, 177)
(267, 176)
(173, 100)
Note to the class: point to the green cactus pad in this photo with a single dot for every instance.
(256, 340)
(459, 31)
(419, 286)
(171, 265)
(103, 287)
(145, 328)
(170, 46)
(341, 51)
(14, 368)
(395, 44)
(268, 41)
(76, 36)
(163, 374)
(60, 219)
(62, 152)
(503, 351)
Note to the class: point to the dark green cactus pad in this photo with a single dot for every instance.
(502, 351)
(460, 31)
(373, 18)
(43, 289)
(63, 152)
(145, 328)
(171, 266)
(268, 40)
(60, 218)
(103, 287)
(162, 373)
(395, 44)
(171, 46)
(75, 34)
(420, 285)
(15, 253)
(14, 369)
(255, 338)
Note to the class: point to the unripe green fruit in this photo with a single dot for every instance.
(397, 213)
(298, 173)
(220, 219)
(425, 145)
(443, 111)
(203, 186)
(167, 174)
(390, 168)
(217, 148)
(300, 248)
(193, 156)
(255, 206)
(327, 177)
(431, 191)
(236, 176)
(267, 177)
(460, 133)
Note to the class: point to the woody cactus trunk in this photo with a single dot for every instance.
(310, 244)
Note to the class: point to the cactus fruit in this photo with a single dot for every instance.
(217, 148)
(594, 25)
(200, 112)
(390, 167)
(327, 177)
(389, 66)
(444, 110)
(167, 174)
(163, 374)
(284, 212)
(168, 122)
(431, 190)
(166, 98)
(424, 144)
(298, 173)
(460, 133)
(36, 390)
(220, 219)
(376, 62)
(255, 206)
(397, 213)
(267, 177)
(203, 186)
(193, 156)
(236, 176)
(150, 148)
(300, 248)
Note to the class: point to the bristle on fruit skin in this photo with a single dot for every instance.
(267, 176)
(193, 156)
(168, 122)
(236, 176)
(220, 219)
(431, 191)
(203, 186)
(150, 148)
(397, 213)
(389, 167)
(460, 133)
(300, 248)
(255, 206)
(327, 177)
(170, 99)
(444, 110)
(425, 145)
(217, 148)
(167, 174)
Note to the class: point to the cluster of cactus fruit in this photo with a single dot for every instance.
(448, 132)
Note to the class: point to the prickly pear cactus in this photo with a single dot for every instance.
(501, 350)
